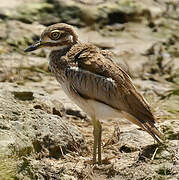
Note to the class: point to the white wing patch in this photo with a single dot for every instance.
(110, 79)
(77, 69)
(74, 68)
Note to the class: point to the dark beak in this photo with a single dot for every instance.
(33, 47)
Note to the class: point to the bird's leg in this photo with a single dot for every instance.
(97, 140)
(99, 143)
(94, 145)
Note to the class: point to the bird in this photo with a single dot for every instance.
(92, 80)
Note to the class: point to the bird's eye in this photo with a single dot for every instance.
(55, 35)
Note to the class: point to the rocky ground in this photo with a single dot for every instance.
(43, 135)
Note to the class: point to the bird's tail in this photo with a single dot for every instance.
(153, 131)
(147, 126)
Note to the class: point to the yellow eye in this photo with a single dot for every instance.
(55, 35)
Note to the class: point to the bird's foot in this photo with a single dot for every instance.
(102, 167)
(103, 162)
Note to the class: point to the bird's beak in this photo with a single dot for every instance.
(34, 46)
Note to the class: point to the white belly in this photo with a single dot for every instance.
(102, 111)
(93, 108)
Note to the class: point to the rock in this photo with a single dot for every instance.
(26, 129)
(160, 88)
(171, 129)
(165, 169)
(28, 12)
(3, 31)
(20, 35)
(134, 139)
(38, 11)
(8, 167)
(23, 95)
(77, 113)
(162, 63)
(80, 13)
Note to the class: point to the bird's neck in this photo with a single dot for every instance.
(58, 64)
(60, 51)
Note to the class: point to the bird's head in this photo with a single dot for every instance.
(55, 37)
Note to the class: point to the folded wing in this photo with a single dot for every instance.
(97, 77)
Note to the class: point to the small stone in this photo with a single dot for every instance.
(165, 154)
(23, 95)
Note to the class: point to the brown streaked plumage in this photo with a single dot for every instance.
(94, 82)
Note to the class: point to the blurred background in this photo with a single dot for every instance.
(144, 37)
